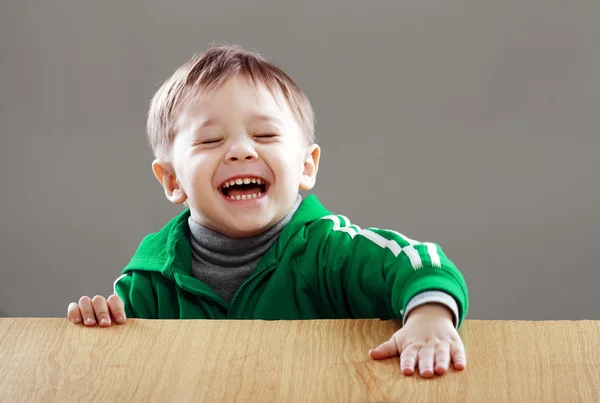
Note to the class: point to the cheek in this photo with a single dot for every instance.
(284, 164)
(199, 171)
(292, 173)
(204, 164)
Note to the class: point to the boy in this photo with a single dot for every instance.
(233, 138)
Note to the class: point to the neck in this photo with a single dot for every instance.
(221, 249)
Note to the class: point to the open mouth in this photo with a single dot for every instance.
(247, 188)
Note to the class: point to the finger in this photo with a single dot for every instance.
(101, 310)
(117, 308)
(425, 358)
(385, 350)
(459, 357)
(408, 359)
(73, 313)
(87, 311)
(442, 358)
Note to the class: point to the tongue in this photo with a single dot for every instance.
(241, 191)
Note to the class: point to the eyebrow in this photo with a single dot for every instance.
(267, 118)
(260, 118)
(208, 123)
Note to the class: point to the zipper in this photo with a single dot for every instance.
(217, 311)
(216, 301)
(232, 305)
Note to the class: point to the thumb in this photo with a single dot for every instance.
(385, 350)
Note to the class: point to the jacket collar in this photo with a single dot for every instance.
(168, 251)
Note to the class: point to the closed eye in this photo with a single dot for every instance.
(212, 141)
(266, 135)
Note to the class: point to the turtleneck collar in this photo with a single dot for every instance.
(222, 250)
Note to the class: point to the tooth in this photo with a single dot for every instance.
(231, 183)
(226, 185)
(243, 197)
(239, 181)
(232, 197)
(258, 181)
(259, 193)
(237, 197)
(253, 180)
(254, 196)
(246, 181)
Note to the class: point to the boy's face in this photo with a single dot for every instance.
(238, 135)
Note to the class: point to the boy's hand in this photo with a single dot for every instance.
(428, 339)
(97, 310)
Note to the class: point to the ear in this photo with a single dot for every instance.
(310, 167)
(165, 174)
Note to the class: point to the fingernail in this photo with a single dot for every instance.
(77, 320)
(104, 321)
(89, 321)
(120, 318)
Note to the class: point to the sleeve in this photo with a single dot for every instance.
(379, 273)
(137, 293)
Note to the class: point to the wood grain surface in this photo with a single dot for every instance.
(50, 360)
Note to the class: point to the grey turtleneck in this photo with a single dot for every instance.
(224, 263)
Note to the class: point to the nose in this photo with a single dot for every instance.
(241, 151)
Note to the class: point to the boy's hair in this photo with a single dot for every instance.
(204, 74)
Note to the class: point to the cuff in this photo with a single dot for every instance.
(426, 297)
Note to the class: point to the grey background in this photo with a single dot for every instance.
(473, 124)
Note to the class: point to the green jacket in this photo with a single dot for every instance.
(321, 267)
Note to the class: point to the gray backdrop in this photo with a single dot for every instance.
(473, 124)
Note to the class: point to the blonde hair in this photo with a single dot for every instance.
(204, 74)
